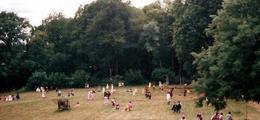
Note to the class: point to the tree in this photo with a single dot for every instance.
(13, 38)
(230, 67)
(191, 18)
(104, 41)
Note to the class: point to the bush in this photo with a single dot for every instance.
(58, 80)
(160, 74)
(79, 78)
(37, 79)
(134, 77)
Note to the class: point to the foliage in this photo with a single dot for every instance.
(79, 79)
(191, 18)
(228, 68)
(161, 74)
(134, 77)
(59, 80)
(13, 34)
(37, 79)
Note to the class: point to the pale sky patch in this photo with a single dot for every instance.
(37, 10)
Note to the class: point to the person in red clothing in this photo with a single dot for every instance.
(216, 116)
(129, 106)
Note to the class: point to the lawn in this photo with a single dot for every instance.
(33, 107)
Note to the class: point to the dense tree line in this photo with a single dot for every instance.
(215, 43)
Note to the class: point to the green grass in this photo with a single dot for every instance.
(33, 107)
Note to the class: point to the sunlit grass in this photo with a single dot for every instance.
(33, 107)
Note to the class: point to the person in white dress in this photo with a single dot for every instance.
(38, 89)
(10, 98)
(103, 90)
(43, 92)
(160, 84)
(134, 92)
(168, 98)
(91, 95)
(112, 88)
(107, 87)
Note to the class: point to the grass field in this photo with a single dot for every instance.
(33, 107)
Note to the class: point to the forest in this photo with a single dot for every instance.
(212, 44)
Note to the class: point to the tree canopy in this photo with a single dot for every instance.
(215, 43)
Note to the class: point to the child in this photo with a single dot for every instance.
(91, 95)
(221, 116)
(112, 88)
(103, 90)
(183, 117)
(171, 92)
(229, 116)
(43, 93)
(77, 105)
(185, 92)
(59, 93)
(69, 94)
(17, 96)
(215, 116)
(168, 98)
(72, 92)
(117, 107)
(134, 92)
(107, 94)
(129, 106)
(10, 98)
(107, 87)
(113, 101)
(160, 85)
(38, 89)
(105, 100)
(199, 116)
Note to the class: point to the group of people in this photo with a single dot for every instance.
(43, 91)
(216, 116)
(70, 92)
(220, 116)
(9, 98)
(177, 107)
(129, 106)
(114, 103)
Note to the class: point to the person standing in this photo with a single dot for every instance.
(229, 116)
(59, 93)
(168, 98)
(17, 96)
(215, 116)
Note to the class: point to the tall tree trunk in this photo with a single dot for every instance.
(110, 72)
(180, 72)
(160, 62)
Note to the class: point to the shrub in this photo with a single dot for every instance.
(134, 77)
(160, 74)
(58, 80)
(79, 78)
(37, 79)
